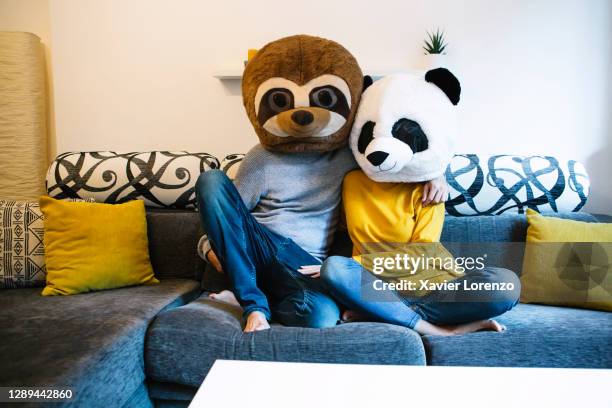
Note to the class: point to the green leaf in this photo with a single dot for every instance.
(435, 43)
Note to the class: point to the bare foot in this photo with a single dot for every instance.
(256, 321)
(352, 316)
(489, 325)
(425, 327)
(226, 296)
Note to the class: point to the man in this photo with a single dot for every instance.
(301, 94)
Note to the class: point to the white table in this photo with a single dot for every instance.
(294, 385)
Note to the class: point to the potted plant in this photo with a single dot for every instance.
(434, 47)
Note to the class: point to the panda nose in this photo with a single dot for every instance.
(302, 117)
(377, 158)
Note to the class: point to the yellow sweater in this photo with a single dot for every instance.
(391, 214)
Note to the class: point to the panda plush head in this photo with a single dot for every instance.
(405, 127)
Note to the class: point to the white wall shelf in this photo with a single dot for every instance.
(228, 73)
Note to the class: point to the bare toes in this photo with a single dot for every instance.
(494, 325)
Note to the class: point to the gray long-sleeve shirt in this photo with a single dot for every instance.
(296, 195)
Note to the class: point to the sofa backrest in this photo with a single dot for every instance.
(173, 238)
(498, 228)
(174, 235)
(500, 185)
(500, 237)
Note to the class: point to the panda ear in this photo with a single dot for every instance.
(446, 81)
(367, 81)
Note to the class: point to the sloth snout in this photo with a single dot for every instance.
(377, 158)
(302, 117)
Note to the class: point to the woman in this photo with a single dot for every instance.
(440, 312)
(402, 134)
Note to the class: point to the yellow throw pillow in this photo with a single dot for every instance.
(93, 246)
(567, 263)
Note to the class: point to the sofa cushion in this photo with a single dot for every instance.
(92, 342)
(173, 238)
(537, 336)
(170, 393)
(499, 228)
(183, 343)
(500, 237)
(139, 398)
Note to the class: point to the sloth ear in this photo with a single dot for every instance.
(367, 81)
(446, 81)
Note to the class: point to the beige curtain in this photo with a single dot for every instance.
(23, 116)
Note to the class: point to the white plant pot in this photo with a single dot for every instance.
(431, 61)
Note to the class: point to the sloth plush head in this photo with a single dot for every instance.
(405, 127)
(301, 94)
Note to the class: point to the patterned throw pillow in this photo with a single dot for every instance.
(496, 184)
(22, 254)
(159, 178)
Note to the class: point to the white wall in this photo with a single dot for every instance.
(26, 15)
(137, 74)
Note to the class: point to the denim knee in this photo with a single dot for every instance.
(505, 300)
(307, 309)
(209, 185)
(322, 312)
(335, 271)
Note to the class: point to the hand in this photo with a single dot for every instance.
(314, 271)
(435, 191)
(424, 327)
(214, 261)
(256, 321)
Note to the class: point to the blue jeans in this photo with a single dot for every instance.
(262, 265)
(348, 281)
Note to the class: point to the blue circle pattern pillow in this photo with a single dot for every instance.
(497, 184)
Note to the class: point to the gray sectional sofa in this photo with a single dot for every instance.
(139, 346)
(153, 345)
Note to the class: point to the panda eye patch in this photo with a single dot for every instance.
(274, 101)
(366, 136)
(410, 132)
(331, 98)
